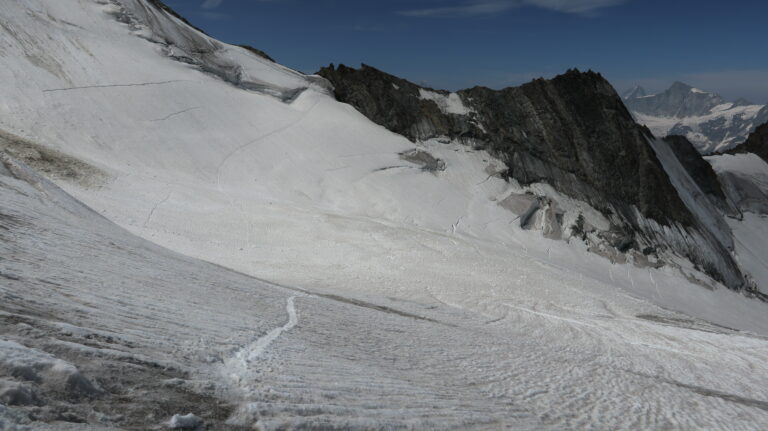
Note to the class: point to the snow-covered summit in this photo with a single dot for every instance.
(634, 93)
(680, 100)
(706, 119)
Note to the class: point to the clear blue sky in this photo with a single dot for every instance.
(717, 45)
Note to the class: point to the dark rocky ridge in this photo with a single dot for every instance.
(394, 103)
(165, 8)
(258, 52)
(757, 143)
(572, 132)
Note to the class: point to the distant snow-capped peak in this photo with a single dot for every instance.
(705, 118)
(635, 92)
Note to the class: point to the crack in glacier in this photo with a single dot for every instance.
(176, 113)
(143, 84)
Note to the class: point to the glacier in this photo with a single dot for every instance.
(216, 235)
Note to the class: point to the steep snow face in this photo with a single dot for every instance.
(706, 119)
(716, 236)
(232, 64)
(745, 181)
(61, 54)
(419, 285)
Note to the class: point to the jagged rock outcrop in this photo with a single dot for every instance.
(572, 132)
(397, 104)
(757, 143)
(701, 172)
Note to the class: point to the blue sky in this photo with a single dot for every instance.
(717, 45)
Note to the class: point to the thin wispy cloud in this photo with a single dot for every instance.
(490, 7)
(211, 4)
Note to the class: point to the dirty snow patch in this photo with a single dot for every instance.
(449, 104)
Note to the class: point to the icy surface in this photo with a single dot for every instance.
(415, 298)
(747, 164)
(745, 180)
(751, 237)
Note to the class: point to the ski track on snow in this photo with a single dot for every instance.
(141, 84)
(259, 139)
(154, 208)
(240, 362)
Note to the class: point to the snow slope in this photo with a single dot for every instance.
(745, 181)
(260, 170)
(154, 332)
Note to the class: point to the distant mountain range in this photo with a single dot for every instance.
(710, 122)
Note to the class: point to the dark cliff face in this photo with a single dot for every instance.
(701, 172)
(395, 103)
(572, 132)
(757, 143)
